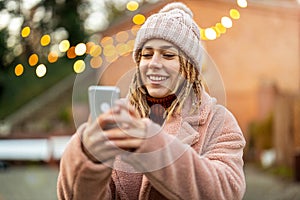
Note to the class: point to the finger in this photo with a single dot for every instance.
(132, 143)
(128, 107)
(116, 134)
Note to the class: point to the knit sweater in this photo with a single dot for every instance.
(201, 152)
(158, 106)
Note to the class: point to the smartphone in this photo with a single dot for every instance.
(102, 98)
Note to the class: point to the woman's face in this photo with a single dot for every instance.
(159, 67)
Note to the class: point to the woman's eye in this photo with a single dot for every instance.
(169, 56)
(146, 55)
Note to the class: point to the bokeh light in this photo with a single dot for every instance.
(52, 57)
(242, 3)
(226, 22)
(79, 66)
(220, 28)
(130, 44)
(80, 49)
(95, 51)
(234, 14)
(41, 70)
(45, 40)
(71, 53)
(109, 50)
(139, 19)
(107, 41)
(122, 48)
(132, 5)
(96, 62)
(19, 69)
(25, 32)
(89, 45)
(210, 34)
(122, 36)
(64, 46)
(33, 59)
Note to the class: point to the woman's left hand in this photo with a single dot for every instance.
(131, 127)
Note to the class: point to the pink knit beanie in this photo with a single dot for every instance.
(173, 23)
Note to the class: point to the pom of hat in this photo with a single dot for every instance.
(177, 5)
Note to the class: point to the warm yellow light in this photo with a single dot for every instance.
(89, 45)
(64, 46)
(109, 50)
(107, 41)
(80, 49)
(132, 5)
(95, 51)
(25, 31)
(226, 22)
(122, 36)
(217, 31)
(96, 62)
(122, 48)
(45, 40)
(234, 14)
(19, 69)
(41, 70)
(130, 44)
(210, 34)
(242, 3)
(33, 59)
(79, 66)
(52, 57)
(139, 19)
(71, 53)
(220, 28)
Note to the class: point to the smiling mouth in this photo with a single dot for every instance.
(157, 78)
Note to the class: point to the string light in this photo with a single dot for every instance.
(80, 49)
(25, 32)
(79, 66)
(132, 5)
(19, 69)
(64, 46)
(242, 3)
(139, 19)
(41, 70)
(33, 59)
(45, 40)
(226, 23)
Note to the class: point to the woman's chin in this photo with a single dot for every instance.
(158, 93)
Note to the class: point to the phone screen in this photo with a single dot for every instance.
(102, 98)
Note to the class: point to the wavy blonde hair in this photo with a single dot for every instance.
(193, 81)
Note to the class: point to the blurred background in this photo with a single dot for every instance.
(52, 50)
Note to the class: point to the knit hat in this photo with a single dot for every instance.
(173, 23)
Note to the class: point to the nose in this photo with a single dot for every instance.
(155, 61)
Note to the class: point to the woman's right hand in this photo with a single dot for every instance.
(95, 144)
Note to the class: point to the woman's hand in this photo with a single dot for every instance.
(131, 129)
(94, 142)
(119, 129)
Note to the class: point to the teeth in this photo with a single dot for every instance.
(157, 78)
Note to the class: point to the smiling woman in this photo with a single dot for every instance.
(170, 139)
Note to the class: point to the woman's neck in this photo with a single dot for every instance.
(158, 107)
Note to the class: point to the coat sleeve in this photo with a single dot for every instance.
(80, 178)
(216, 172)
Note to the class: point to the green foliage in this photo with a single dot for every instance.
(19, 90)
(65, 115)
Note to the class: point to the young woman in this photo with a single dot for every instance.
(172, 141)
